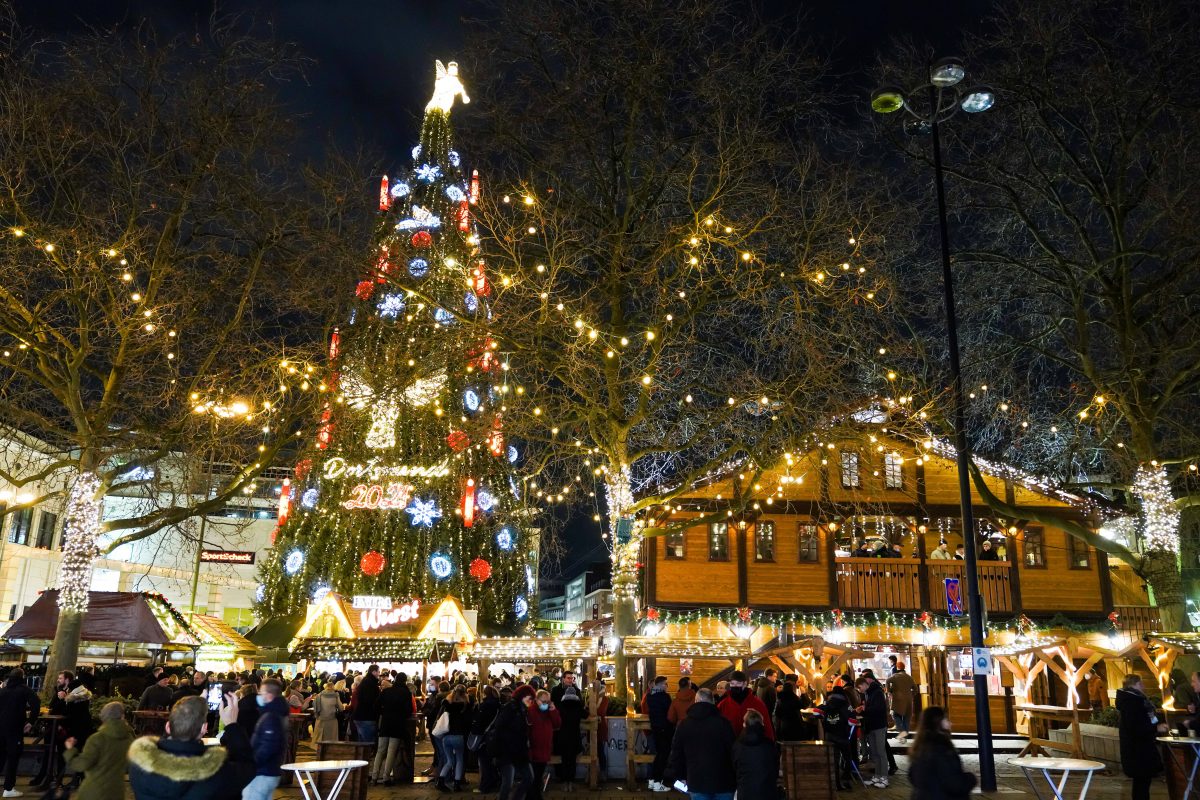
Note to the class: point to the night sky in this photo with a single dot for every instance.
(373, 69)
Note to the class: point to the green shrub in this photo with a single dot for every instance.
(99, 702)
(1109, 717)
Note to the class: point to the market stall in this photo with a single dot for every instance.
(222, 649)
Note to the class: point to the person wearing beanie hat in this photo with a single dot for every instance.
(508, 744)
(568, 699)
(738, 700)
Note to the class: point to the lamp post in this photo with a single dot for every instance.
(945, 96)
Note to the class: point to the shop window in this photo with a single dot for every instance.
(1078, 552)
(447, 625)
(1035, 547)
(893, 471)
(47, 525)
(19, 524)
(851, 477)
(675, 545)
(810, 542)
(764, 541)
(718, 541)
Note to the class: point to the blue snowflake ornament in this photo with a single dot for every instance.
(424, 512)
(429, 172)
(391, 305)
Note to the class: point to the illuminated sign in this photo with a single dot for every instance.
(366, 601)
(227, 556)
(375, 618)
(379, 496)
(338, 467)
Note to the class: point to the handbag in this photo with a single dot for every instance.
(442, 726)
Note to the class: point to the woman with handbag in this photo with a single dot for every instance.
(483, 718)
(452, 726)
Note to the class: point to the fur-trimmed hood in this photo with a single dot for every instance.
(187, 765)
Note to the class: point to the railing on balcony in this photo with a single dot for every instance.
(894, 584)
(1138, 620)
(879, 583)
(994, 583)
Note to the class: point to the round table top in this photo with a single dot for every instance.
(1191, 741)
(323, 766)
(1043, 762)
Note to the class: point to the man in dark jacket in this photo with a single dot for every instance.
(395, 734)
(19, 707)
(157, 696)
(508, 744)
(568, 699)
(836, 712)
(366, 708)
(756, 760)
(269, 741)
(874, 719)
(658, 708)
(1138, 728)
(702, 751)
(481, 725)
(179, 766)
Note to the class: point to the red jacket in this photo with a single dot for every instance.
(542, 725)
(735, 712)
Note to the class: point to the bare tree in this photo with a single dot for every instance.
(165, 266)
(684, 280)
(1076, 258)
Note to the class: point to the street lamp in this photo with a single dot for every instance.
(944, 97)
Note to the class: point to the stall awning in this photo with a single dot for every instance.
(1184, 642)
(374, 648)
(213, 631)
(111, 617)
(535, 649)
(275, 632)
(655, 647)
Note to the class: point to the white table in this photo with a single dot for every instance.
(1174, 742)
(308, 783)
(1066, 766)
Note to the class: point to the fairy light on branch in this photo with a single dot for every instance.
(1160, 517)
(80, 533)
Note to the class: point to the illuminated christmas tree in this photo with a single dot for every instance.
(408, 490)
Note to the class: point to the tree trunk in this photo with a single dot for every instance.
(64, 652)
(1161, 570)
(625, 556)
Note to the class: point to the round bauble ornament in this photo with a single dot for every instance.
(422, 240)
(480, 570)
(372, 563)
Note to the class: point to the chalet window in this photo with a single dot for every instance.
(810, 540)
(19, 525)
(893, 471)
(851, 478)
(1077, 552)
(764, 541)
(675, 544)
(1035, 548)
(447, 625)
(47, 525)
(718, 541)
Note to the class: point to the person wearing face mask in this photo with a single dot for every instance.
(567, 742)
(738, 700)
(544, 720)
(935, 770)
(269, 741)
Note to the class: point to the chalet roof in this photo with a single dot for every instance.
(134, 617)
(214, 631)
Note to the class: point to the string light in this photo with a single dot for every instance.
(80, 533)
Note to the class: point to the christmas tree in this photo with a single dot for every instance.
(408, 490)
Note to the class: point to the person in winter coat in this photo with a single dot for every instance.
(483, 716)
(454, 742)
(325, 707)
(935, 770)
(103, 759)
(568, 699)
(702, 751)
(19, 709)
(789, 725)
(682, 702)
(765, 690)
(900, 686)
(874, 720)
(269, 741)
(658, 708)
(544, 720)
(1139, 726)
(366, 709)
(738, 700)
(836, 712)
(396, 709)
(179, 766)
(508, 744)
(158, 695)
(756, 760)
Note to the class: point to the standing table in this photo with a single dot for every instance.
(1066, 766)
(1176, 747)
(308, 782)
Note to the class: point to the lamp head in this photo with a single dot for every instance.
(980, 98)
(947, 72)
(887, 99)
